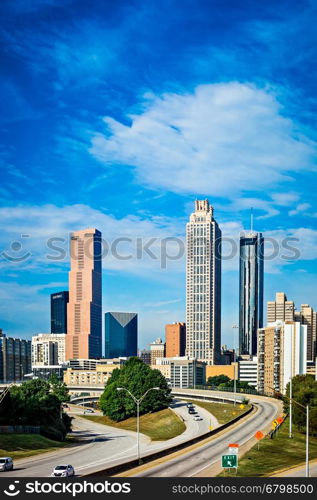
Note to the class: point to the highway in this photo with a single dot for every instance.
(197, 462)
(102, 446)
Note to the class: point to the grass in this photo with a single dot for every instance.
(275, 454)
(27, 445)
(223, 412)
(158, 426)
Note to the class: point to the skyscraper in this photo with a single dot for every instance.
(280, 309)
(175, 336)
(203, 284)
(251, 291)
(59, 303)
(121, 334)
(84, 330)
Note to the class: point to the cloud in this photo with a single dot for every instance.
(222, 140)
(301, 207)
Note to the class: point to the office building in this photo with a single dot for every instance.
(282, 353)
(308, 318)
(157, 350)
(281, 309)
(84, 328)
(187, 372)
(96, 376)
(248, 370)
(59, 303)
(15, 358)
(284, 310)
(121, 334)
(251, 291)
(145, 355)
(48, 349)
(164, 366)
(203, 285)
(175, 337)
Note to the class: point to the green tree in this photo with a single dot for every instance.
(137, 377)
(304, 389)
(34, 403)
(59, 389)
(217, 380)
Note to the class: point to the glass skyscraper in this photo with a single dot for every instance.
(59, 302)
(121, 334)
(251, 291)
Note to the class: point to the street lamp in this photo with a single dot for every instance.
(138, 402)
(234, 361)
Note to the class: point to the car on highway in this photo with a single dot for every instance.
(190, 405)
(192, 411)
(63, 471)
(88, 411)
(197, 417)
(6, 463)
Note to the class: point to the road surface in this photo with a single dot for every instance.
(102, 446)
(197, 462)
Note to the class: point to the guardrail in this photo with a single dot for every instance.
(117, 469)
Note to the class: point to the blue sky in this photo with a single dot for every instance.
(120, 114)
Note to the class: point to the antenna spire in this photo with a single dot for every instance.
(251, 217)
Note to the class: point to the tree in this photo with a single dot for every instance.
(137, 377)
(240, 385)
(59, 389)
(304, 389)
(217, 380)
(34, 403)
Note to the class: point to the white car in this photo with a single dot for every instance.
(63, 471)
(197, 417)
(6, 463)
(88, 411)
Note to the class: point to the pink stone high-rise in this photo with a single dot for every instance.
(84, 327)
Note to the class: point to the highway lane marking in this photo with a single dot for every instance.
(176, 455)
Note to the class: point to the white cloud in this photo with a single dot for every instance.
(301, 207)
(222, 140)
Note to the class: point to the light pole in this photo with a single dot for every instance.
(138, 402)
(234, 363)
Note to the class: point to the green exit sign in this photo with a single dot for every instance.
(229, 461)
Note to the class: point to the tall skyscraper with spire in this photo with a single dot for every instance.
(84, 330)
(251, 290)
(203, 284)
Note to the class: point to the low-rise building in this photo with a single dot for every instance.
(215, 370)
(92, 377)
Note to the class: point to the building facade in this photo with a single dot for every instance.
(250, 291)
(121, 334)
(48, 349)
(145, 355)
(187, 372)
(175, 337)
(248, 370)
(203, 285)
(97, 376)
(282, 353)
(84, 327)
(157, 350)
(281, 309)
(59, 303)
(15, 358)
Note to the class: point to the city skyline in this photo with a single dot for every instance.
(226, 115)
